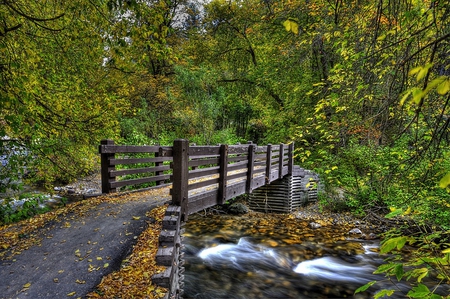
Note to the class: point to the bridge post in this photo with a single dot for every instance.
(250, 166)
(268, 163)
(158, 172)
(180, 190)
(280, 161)
(223, 172)
(106, 167)
(291, 158)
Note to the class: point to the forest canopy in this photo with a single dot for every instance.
(361, 87)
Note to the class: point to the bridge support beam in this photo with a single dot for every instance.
(180, 182)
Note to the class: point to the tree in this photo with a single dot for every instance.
(55, 98)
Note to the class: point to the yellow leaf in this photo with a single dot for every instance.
(415, 70)
(445, 181)
(136, 217)
(99, 258)
(291, 25)
(27, 285)
(446, 250)
(106, 265)
(408, 210)
(71, 294)
(444, 87)
(422, 73)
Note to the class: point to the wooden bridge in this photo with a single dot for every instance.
(201, 177)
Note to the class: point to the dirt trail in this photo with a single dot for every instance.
(74, 251)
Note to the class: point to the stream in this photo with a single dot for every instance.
(278, 256)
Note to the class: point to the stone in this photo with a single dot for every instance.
(314, 225)
(238, 208)
(355, 231)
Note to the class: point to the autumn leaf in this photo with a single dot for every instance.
(291, 25)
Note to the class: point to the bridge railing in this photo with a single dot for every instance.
(204, 176)
(201, 176)
(139, 165)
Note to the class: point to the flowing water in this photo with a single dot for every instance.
(277, 256)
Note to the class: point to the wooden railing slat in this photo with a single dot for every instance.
(128, 161)
(113, 149)
(204, 151)
(203, 172)
(117, 184)
(115, 173)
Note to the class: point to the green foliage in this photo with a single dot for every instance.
(25, 207)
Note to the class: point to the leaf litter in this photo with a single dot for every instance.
(133, 280)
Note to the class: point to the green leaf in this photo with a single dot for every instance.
(365, 287)
(390, 244)
(445, 181)
(394, 213)
(420, 291)
(384, 268)
(420, 273)
(383, 293)
(398, 271)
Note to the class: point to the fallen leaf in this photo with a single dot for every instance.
(55, 280)
(136, 217)
(106, 265)
(27, 285)
(80, 281)
(71, 294)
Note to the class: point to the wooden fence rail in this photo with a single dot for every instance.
(201, 176)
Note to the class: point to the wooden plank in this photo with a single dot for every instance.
(242, 164)
(235, 190)
(204, 151)
(280, 162)
(164, 256)
(110, 149)
(201, 162)
(180, 175)
(268, 163)
(237, 159)
(202, 184)
(117, 184)
(260, 157)
(250, 168)
(223, 171)
(165, 151)
(235, 176)
(115, 173)
(258, 182)
(106, 167)
(139, 160)
(291, 158)
(203, 200)
(203, 172)
(238, 149)
(261, 149)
